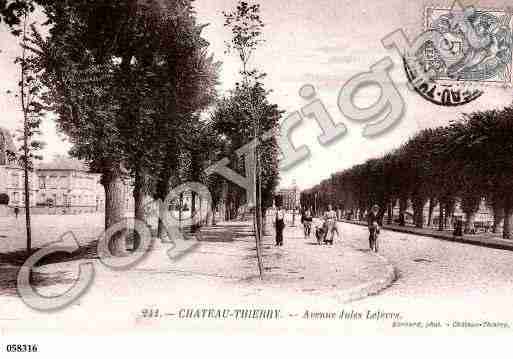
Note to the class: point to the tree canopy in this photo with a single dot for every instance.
(467, 161)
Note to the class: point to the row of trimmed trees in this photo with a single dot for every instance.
(128, 82)
(464, 162)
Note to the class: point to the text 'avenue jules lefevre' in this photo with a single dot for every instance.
(353, 315)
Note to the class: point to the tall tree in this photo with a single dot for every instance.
(105, 71)
(482, 145)
(173, 79)
(30, 95)
(246, 28)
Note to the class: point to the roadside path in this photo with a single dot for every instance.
(490, 240)
(220, 273)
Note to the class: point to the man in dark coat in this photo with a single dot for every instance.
(373, 223)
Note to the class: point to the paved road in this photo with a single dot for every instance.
(220, 273)
(440, 279)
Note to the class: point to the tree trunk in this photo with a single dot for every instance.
(213, 221)
(450, 206)
(390, 214)
(193, 203)
(498, 218)
(508, 212)
(470, 206)
(264, 221)
(441, 217)
(160, 226)
(139, 197)
(180, 210)
(194, 227)
(432, 205)
(202, 221)
(361, 212)
(25, 103)
(167, 178)
(27, 207)
(224, 199)
(139, 212)
(114, 208)
(403, 205)
(418, 212)
(470, 222)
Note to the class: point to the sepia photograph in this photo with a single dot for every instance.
(255, 167)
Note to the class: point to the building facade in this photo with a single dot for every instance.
(290, 198)
(70, 189)
(63, 186)
(12, 178)
(12, 182)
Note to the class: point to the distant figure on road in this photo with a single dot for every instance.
(280, 225)
(330, 218)
(373, 222)
(306, 220)
(16, 212)
(458, 228)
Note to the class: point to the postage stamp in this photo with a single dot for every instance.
(476, 44)
(462, 50)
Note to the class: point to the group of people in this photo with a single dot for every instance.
(329, 229)
(326, 233)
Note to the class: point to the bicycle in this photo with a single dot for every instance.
(373, 239)
(307, 227)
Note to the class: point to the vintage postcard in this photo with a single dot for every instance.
(218, 167)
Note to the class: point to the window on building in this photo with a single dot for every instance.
(15, 180)
(63, 182)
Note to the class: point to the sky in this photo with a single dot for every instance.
(323, 43)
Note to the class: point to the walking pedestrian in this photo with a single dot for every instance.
(16, 212)
(279, 225)
(330, 218)
(373, 223)
(307, 220)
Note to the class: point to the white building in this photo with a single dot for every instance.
(61, 186)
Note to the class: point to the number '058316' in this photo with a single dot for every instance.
(21, 348)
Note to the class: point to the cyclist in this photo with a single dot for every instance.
(373, 222)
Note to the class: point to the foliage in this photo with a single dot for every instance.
(246, 114)
(234, 120)
(470, 159)
(246, 27)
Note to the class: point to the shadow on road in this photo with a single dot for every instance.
(11, 262)
(9, 274)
